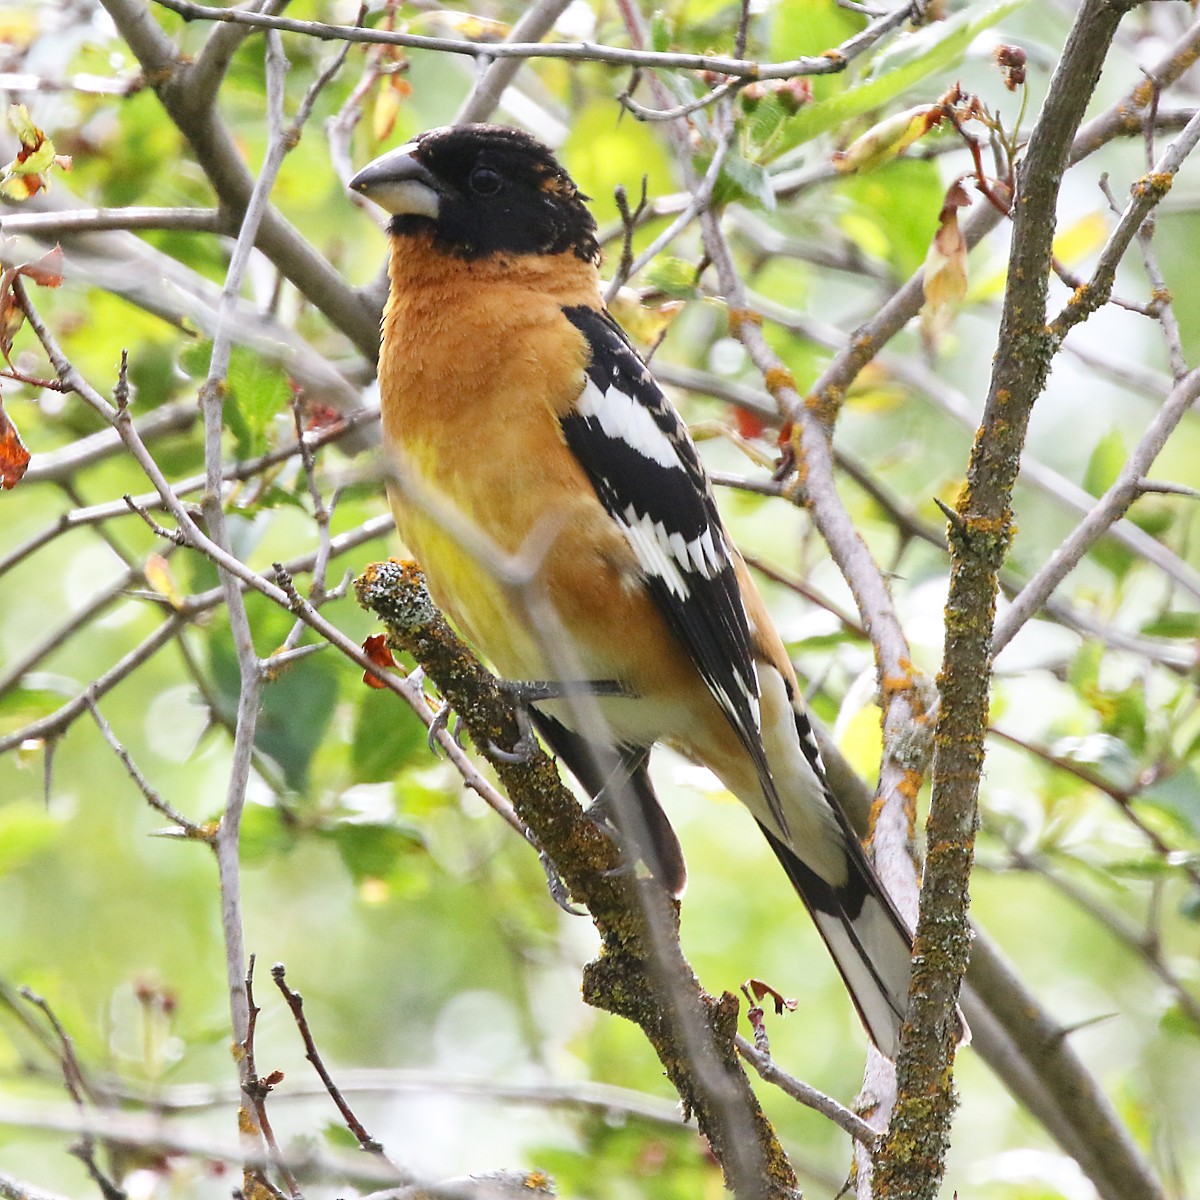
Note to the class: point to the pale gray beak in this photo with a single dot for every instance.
(399, 184)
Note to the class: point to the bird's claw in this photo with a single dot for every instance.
(441, 720)
(522, 751)
(559, 892)
(600, 813)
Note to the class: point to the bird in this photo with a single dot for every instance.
(508, 390)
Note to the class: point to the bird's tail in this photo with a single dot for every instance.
(867, 938)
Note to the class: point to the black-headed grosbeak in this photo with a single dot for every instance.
(512, 392)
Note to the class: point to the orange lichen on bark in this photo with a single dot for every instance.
(779, 379)
(826, 404)
(739, 317)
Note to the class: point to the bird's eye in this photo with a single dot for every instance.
(485, 181)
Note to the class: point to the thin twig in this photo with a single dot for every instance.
(295, 1003)
(258, 1088)
(79, 1090)
(152, 797)
(807, 1095)
(829, 63)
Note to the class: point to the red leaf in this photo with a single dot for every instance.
(48, 270)
(376, 649)
(14, 458)
(749, 425)
(761, 990)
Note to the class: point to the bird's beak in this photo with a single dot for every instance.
(399, 184)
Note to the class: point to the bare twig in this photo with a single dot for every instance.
(829, 63)
(189, 828)
(1110, 508)
(257, 1087)
(807, 1095)
(1144, 196)
(79, 1091)
(295, 1002)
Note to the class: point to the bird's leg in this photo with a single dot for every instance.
(559, 892)
(608, 807)
(525, 692)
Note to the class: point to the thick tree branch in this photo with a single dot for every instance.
(910, 1161)
(631, 916)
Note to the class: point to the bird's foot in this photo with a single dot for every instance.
(559, 892)
(527, 692)
(601, 812)
(441, 719)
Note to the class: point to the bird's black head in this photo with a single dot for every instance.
(481, 189)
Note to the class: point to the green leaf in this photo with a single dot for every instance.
(763, 124)
(742, 179)
(295, 713)
(1105, 463)
(264, 834)
(893, 211)
(296, 708)
(672, 276)
(371, 849)
(1179, 1023)
(660, 33)
(339, 1137)
(278, 497)
(36, 696)
(933, 49)
(802, 27)
(387, 737)
(1149, 867)
(1173, 625)
(257, 391)
(1177, 794)
(195, 357)
(1154, 517)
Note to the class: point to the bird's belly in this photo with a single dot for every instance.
(484, 610)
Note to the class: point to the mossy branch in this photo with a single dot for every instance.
(640, 973)
(910, 1160)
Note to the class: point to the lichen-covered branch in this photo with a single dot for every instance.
(910, 1161)
(630, 915)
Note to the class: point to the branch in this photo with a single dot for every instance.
(12, 1188)
(194, 113)
(911, 1159)
(534, 23)
(830, 63)
(638, 926)
(1113, 505)
(56, 224)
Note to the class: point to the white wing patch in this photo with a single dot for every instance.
(652, 545)
(622, 417)
(667, 555)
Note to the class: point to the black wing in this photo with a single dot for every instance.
(642, 462)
